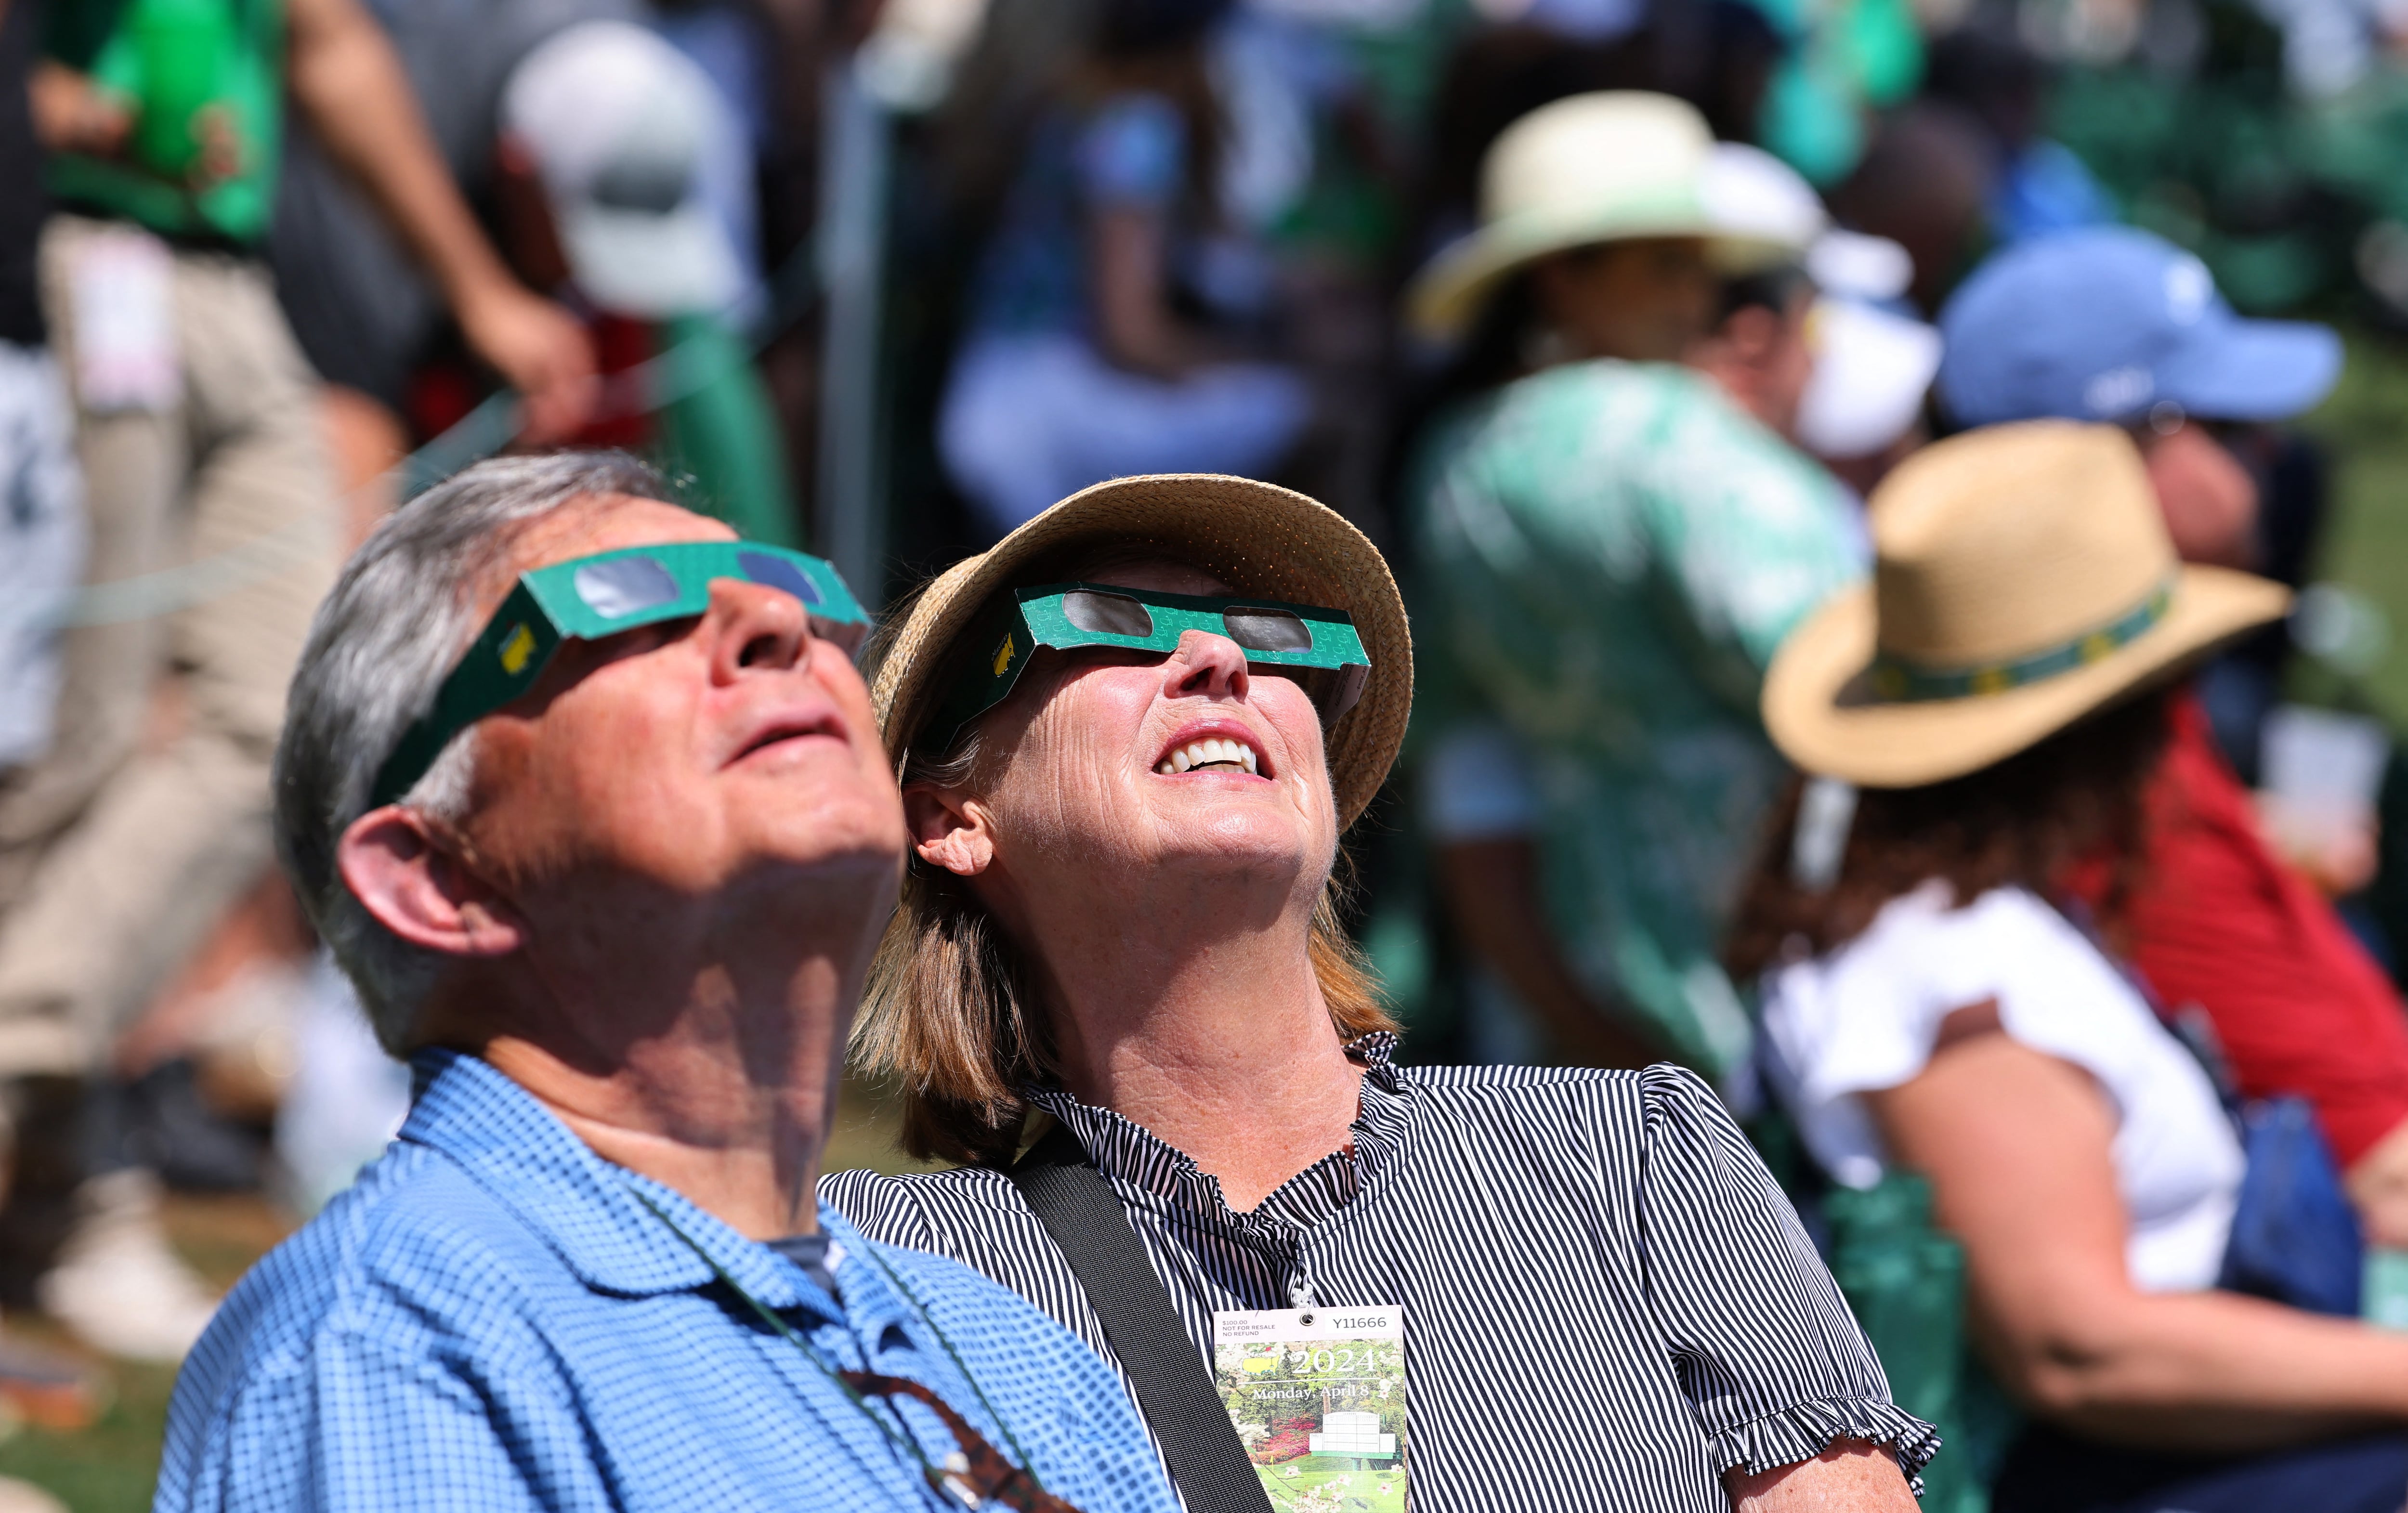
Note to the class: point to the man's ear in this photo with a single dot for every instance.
(403, 871)
(948, 831)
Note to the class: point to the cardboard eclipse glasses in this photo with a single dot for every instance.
(1318, 647)
(588, 598)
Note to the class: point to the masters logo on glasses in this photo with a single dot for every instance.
(587, 598)
(1317, 647)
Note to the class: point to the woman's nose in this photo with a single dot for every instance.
(755, 626)
(1211, 667)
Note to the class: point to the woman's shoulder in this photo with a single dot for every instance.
(1511, 1105)
(863, 1184)
(1928, 930)
(913, 1208)
(1863, 1014)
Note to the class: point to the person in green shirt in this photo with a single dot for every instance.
(200, 435)
(1613, 536)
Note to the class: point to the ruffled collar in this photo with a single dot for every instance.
(1143, 1165)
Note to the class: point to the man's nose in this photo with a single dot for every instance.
(1212, 666)
(755, 626)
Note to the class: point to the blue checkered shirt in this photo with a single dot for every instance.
(491, 1319)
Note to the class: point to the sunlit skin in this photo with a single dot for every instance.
(2208, 498)
(1167, 917)
(1762, 359)
(683, 843)
(2004, 1132)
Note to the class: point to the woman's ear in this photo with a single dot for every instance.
(404, 872)
(948, 831)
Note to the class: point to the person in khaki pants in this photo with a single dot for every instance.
(199, 435)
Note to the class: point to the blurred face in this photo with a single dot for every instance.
(1643, 301)
(2209, 499)
(1763, 359)
(695, 756)
(1105, 772)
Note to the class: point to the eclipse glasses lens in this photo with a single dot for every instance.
(605, 594)
(1254, 628)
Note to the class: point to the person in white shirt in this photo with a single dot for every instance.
(1980, 722)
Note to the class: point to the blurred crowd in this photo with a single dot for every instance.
(1604, 319)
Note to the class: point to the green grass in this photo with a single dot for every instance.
(1360, 1489)
(2365, 425)
(109, 1467)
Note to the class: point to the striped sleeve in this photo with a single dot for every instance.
(1780, 1379)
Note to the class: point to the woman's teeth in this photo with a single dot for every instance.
(1212, 753)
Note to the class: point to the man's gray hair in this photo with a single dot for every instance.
(400, 617)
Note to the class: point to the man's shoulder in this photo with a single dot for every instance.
(416, 1245)
(1645, 391)
(1606, 434)
(1003, 1339)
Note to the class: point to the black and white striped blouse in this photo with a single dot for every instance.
(1608, 1303)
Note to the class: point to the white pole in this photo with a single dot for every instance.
(855, 153)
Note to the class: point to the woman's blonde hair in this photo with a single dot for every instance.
(952, 1011)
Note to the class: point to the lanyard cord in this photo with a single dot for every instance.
(955, 1357)
(769, 1316)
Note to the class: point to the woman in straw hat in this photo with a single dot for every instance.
(1130, 737)
(1623, 539)
(1996, 699)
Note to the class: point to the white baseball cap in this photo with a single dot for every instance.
(618, 122)
(1873, 365)
(1872, 368)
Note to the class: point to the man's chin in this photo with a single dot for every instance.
(864, 840)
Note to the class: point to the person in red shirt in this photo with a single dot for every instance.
(2114, 324)
(2297, 1005)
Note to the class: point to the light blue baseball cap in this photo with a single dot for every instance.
(2107, 322)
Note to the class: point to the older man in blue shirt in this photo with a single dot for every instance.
(610, 876)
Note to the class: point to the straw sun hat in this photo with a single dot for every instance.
(2022, 579)
(1257, 537)
(1602, 168)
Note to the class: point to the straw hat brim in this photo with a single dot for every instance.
(1257, 537)
(1448, 293)
(1817, 713)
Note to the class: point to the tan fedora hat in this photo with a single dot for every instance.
(2022, 579)
(1257, 537)
(1609, 166)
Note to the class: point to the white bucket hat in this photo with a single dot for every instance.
(1611, 166)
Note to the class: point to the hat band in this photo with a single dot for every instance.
(1899, 681)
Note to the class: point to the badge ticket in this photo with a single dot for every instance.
(1318, 1398)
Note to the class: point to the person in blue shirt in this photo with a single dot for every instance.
(614, 894)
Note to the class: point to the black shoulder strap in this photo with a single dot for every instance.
(1076, 1207)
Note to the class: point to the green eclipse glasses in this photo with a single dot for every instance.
(1319, 647)
(591, 597)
